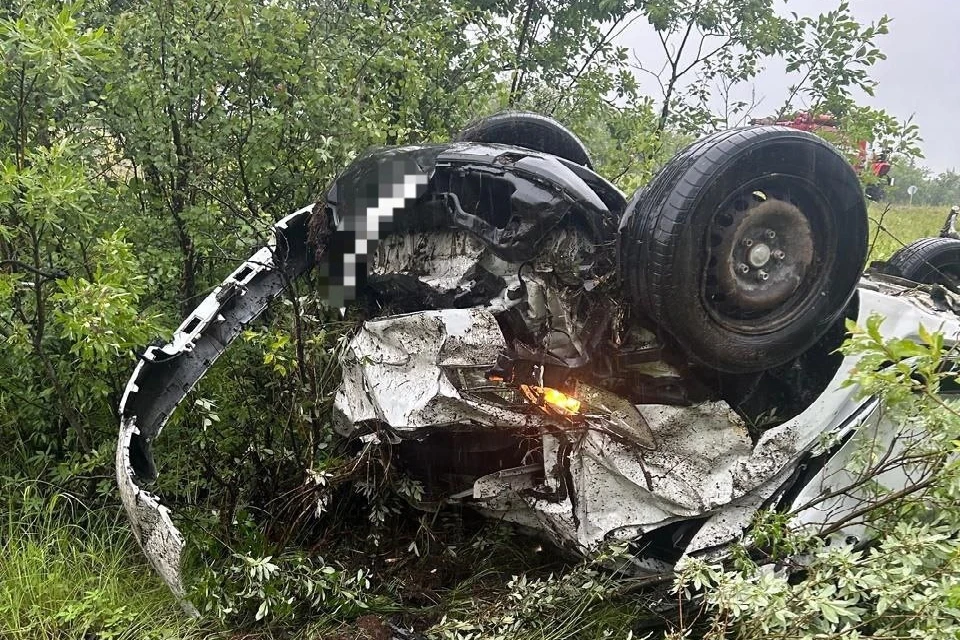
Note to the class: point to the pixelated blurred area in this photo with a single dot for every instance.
(358, 211)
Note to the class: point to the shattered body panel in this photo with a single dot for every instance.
(499, 336)
(701, 466)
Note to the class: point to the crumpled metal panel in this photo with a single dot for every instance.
(393, 373)
(704, 464)
(440, 260)
(453, 266)
(622, 490)
(762, 476)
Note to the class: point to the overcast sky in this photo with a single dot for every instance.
(920, 76)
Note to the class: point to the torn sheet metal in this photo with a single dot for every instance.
(692, 461)
(395, 373)
(595, 486)
(452, 268)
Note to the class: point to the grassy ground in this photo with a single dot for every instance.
(893, 226)
(71, 573)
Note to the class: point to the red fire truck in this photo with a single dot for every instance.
(878, 162)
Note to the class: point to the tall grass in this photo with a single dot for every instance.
(71, 572)
(893, 226)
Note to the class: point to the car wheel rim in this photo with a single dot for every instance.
(764, 248)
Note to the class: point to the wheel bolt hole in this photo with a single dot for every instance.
(747, 242)
(725, 219)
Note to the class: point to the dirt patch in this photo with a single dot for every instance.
(363, 628)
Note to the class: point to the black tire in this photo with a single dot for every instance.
(875, 192)
(530, 131)
(684, 241)
(928, 261)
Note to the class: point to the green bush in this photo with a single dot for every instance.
(905, 582)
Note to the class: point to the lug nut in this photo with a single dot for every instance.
(771, 234)
(763, 275)
(743, 268)
(747, 242)
(779, 254)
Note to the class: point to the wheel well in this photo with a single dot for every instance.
(772, 397)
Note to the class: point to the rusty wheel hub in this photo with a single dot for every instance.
(761, 250)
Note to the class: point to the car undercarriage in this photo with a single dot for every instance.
(533, 344)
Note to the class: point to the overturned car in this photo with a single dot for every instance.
(535, 345)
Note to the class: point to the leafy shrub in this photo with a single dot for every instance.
(905, 581)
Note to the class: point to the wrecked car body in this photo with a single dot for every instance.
(540, 348)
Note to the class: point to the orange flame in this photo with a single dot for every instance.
(553, 401)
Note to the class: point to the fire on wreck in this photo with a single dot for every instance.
(539, 347)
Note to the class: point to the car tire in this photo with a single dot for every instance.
(685, 238)
(928, 261)
(875, 192)
(530, 131)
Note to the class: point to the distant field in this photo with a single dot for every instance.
(901, 225)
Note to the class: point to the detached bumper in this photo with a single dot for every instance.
(166, 374)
